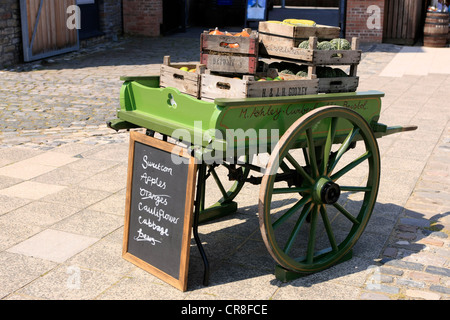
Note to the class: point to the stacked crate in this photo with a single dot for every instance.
(228, 53)
(188, 82)
(241, 66)
(234, 70)
(281, 41)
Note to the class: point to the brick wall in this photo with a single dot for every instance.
(10, 33)
(368, 26)
(142, 17)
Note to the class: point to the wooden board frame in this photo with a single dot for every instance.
(181, 282)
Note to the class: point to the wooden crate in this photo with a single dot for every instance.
(186, 82)
(338, 84)
(273, 47)
(283, 35)
(230, 54)
(348, 83)
(219, 86)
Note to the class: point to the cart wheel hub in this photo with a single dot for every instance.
(330, 192)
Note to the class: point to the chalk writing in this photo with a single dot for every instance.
(158, 166)
(158, 198)
(159, 213)
(152, 225)
(149, 180)
(144, 237)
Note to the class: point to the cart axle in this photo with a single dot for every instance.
(330, 193)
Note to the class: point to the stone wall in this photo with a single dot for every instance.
(10, 33)
(110, 18)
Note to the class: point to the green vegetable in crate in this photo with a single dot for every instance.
(325, 72)
(324, 45)
(304, 44)
(341, 44)
(287, 71)
(303, 74)
(339, 73)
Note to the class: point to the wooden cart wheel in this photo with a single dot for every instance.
(336, 188)
(228, 192)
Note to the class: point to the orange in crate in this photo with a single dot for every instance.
(216, 32)
(244, 33)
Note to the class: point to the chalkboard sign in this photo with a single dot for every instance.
(159, 206)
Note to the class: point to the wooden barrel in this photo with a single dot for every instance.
(435, 31)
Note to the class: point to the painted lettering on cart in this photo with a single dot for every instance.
(296, 110)
(359, 105)
(263, 111)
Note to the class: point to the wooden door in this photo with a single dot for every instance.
(402, 21)
(45, 30)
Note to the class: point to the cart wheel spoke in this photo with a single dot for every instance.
(312, 152)
(291, 190)
(291, 211)
(314, 194)
(284, 167)
(299, 168)
(355, 189)
(218, 182)
(328, 228)
(328, 143)
(312, 236)
(298, 225)
(227, 191)
(346, 213)
(343, 148)
(351, 166)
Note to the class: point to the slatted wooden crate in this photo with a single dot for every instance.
(219, 86)
(345, 82)
(338, 84)
(282, 40)
(280, 46)
(186, 82)
(230, 54)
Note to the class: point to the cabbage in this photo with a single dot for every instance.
(304, 44)
(325, 72)
(339, 73)
(341, 44)
(325, 45)
(286, 71)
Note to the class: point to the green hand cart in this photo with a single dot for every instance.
(318, 185)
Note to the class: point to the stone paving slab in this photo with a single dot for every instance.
(56, 150)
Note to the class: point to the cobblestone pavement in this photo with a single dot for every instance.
(72, 95)
(62, 175)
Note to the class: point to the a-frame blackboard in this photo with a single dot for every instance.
(159, 208)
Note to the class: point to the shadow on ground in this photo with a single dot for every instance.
(236, 252)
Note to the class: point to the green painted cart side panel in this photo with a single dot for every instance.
(165, 110)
